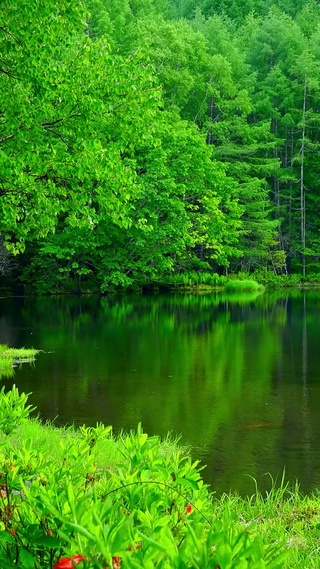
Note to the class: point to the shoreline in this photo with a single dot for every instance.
(97, 495)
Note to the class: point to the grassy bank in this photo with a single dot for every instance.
(85, 498)
(240, 281)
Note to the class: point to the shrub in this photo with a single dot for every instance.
(13, 409)
(195, 279)
(150, 509)
(243, 285)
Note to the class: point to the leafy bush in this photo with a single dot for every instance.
(195, 279)
(13, 409)
(272, 280)
(313, 278)
(242, 285)
(149, 509)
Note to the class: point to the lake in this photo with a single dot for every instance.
(237, 376)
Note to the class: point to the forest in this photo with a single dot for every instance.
(141, 140)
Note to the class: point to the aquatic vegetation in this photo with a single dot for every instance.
(11, 357)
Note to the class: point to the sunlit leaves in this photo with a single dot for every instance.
(73, 111)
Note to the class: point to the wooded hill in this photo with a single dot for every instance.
(145, 138)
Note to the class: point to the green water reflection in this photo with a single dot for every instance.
(236, 376)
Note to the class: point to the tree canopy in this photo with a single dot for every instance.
(142, 139)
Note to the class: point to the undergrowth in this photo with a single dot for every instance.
(84, 497)
(245, 285)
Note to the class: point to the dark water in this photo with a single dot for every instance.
(240, 380)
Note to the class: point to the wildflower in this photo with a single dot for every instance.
(189, 509)
(138, 545)
(77, 558)
(116, 562)
(68, 562)
(13, 532)
(3, 493)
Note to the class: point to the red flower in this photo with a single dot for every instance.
(116, 562)
(68, 562)
(189, 509)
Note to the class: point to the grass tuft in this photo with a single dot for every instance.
(11, 357)
(243, 286)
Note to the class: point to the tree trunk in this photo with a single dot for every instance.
(302, 188)
(211, 109)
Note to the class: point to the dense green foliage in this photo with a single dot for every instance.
(243, 286)
(141, 140)
(134, 501)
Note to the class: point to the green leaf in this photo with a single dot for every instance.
(163, 521)
(48, 541)
(187, 482)
(80, 529)
(6, 537)
(26, 558)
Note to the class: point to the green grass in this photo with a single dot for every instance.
(137, 502)
(108, 452)
(246, 285)
(11, 357)
(281, 516)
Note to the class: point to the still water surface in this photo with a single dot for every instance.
(238, 379)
